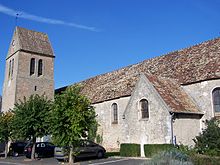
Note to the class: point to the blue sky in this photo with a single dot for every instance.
(91, 37)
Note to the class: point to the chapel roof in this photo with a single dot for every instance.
(33, 41)
(167, 72)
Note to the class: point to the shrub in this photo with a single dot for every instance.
(152, 149)
(129, 149)
(204, 160)
(109, 154)
(208, 142)
(170, 157)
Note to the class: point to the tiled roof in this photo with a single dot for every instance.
(173, 95)
(189, 65)
(33, 41)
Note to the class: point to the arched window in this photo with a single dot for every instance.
(32, 66)
(216, 99)
(144, 109)
(115, 113)
(40, 67)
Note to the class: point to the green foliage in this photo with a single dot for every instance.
(110, 154)
(204, 160)
(92, 132)
(72, 118)
(152, 149)
(31, 117)
(208, 142)
(5, 129)
(99, 139)
(130, 149)
(170, 157)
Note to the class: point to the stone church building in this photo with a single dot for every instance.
(29, 67)
(160, 100)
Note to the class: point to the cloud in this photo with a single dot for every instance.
(24, 15)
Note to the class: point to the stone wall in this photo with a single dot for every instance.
(9, 86)
(110, 132)
(22, 84)
(201, 93)
(34, 84)
(131, 128)
(185, 128)
(154, 130)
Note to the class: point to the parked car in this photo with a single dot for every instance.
(17, 148)
(86, 149)
(42, 149)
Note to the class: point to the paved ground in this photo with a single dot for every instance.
(52, 161)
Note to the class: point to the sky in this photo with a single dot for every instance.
(92, 37)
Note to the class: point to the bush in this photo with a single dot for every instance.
(109, 154)
(208, 142)
(170, 157)
(152, 149)
(204, 160)
(129, 149)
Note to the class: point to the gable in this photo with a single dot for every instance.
(173, 95)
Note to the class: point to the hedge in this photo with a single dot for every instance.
(130, 149)
(152, 149)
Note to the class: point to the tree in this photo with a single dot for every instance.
(5, 129)
(31, 119)
(208, 142)
(72, 119)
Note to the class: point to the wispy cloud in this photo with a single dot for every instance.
(24, 15)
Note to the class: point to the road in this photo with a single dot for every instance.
(52, 161)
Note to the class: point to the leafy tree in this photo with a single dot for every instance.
(208, 142)
(31, 119)
(73, 117)
(5, 129)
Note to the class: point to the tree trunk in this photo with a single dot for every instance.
(6, 149)
(71, 157)
(33, 149)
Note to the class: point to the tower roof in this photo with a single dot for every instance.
(31, 41)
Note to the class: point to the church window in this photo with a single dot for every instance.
(216, 100)
(32, 66)
(12, 67)
(115, 113)
(9, 69)
(144, 109)
(40, 67)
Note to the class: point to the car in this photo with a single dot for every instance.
(86, 149)
(42, 149)
(17, 148)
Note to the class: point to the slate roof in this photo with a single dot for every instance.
(166, 73)
(33, 41)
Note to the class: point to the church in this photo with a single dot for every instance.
(160, 100)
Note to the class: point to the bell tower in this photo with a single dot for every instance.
(29, 67)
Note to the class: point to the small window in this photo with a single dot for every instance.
(32, 66)
(12, 67)
(40, 67)
(115, 113)
(144, 109)
(9, 69)
(216, 100)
